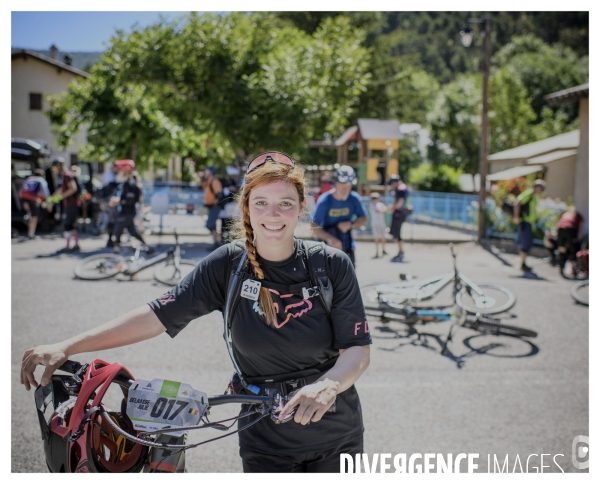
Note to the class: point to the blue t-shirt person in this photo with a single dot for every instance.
(329, 212)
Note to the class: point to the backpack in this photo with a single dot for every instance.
(319, 286)
(79, 188)
(220, 198)
(508, 208)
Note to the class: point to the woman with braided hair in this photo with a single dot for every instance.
(282, 335)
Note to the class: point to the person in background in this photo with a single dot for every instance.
(110, 176)
(400, 213)
(109, 190)
(131, 194)
(524, 217)
(230, 190)
(212, 189)
(68, 193)
(569, 232)
(33, 192)
(325, 185)
(338, 211)
(378, 227)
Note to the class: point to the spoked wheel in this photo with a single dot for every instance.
(382, 299)
(581, 292)
(496, 299)
(495, 327)
(102, 266)
(170, 275)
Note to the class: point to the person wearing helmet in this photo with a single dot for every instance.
(131, 195)
(68, 193)
(338, 211)
(400, 213)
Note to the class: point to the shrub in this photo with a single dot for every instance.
(435, 178)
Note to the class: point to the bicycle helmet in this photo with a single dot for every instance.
(76, 436)
(128, 165)
(345, 174)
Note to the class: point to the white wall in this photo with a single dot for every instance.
(32, 75)
(582, 169)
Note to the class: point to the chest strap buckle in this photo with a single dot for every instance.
(309, 292)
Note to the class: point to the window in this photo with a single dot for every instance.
(35, 101)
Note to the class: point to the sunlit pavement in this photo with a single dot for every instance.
(486, 395)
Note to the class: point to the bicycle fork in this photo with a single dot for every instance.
(166, 460)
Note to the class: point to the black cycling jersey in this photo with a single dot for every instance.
(302, 338)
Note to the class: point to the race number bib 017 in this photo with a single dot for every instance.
(158, 404)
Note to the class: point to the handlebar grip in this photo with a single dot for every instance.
(70, 366)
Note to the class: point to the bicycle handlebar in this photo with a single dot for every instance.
(74, 367)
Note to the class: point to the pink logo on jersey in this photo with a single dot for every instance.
(166, 298)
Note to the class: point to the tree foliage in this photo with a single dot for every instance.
(248, 80)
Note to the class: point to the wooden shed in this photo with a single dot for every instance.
(378, 141)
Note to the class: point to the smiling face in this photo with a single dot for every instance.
(274, 212)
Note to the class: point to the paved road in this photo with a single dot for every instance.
(496, 396)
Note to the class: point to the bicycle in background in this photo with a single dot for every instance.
(171, 268)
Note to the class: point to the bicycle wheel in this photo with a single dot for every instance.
(495, 327)
(381, 299)
(101, 266)
(581, 292)
(168, 274)
(496, 299)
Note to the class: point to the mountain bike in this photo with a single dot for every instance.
(581, 292)
(473, 298)
(171, 267)
(149, 431)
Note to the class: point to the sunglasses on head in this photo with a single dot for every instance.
(272, 156)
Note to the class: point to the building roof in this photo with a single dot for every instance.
(25, 53)
(348, 135)
(379, 129)
(514, 172)
(563, 141)
(552, 156)
(567, 96)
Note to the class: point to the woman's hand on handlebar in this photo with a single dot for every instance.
(50, 356)
(312, 401)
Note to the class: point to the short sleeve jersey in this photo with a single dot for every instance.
(329, 212)
(71, 200)
(302, 338)
(401, 192)
(529, 198)
(570, 220)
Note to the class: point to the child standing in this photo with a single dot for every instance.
(378, 208)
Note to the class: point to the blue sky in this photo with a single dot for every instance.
(76, 31)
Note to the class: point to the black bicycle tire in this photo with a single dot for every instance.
(169, 282)
(498, 328)
(512, 299)
(80, 275)
(576, 296)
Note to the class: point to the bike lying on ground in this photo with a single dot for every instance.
(471, 304)
(147, 433)
(171, 269)
(473, 298)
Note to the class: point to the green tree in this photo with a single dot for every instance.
(210, 86)
(262, 83)
(455, 121)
